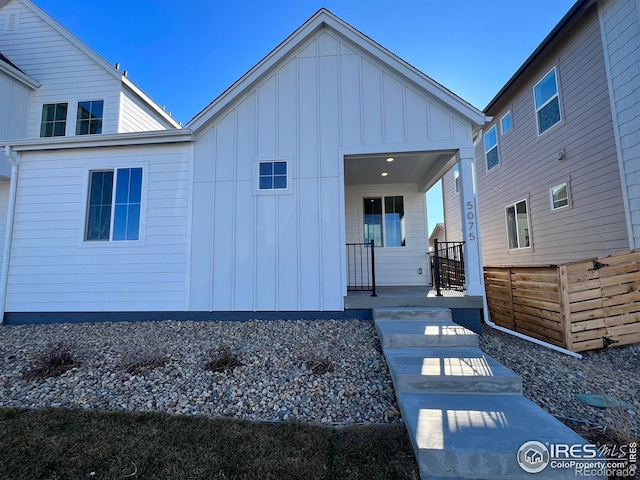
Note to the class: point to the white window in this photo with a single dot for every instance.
(505, 122)
(491, 148)
(113, 207)
(54, 120)
(518, 234)
(559, 196)
(272, 175)
(89, 119)
(384, 221)
(547, 102)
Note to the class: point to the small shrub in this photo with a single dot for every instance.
(320, 366)
(224, 360)
(147, 352)
(56, 359)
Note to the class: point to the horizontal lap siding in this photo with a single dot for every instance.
(595, 222)
(397, 265)
(66, 73)
(451, 200)
(136, 117)
(52, 269)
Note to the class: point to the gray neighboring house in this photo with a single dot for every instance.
(558, 167)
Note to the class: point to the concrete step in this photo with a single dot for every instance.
(423, 334)
(478, 436)
(449, 370)
(411, 313)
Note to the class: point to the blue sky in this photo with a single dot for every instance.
(184, 54)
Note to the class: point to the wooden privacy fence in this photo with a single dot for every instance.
(579, 306)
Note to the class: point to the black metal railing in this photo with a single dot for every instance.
(361, 268)
(447, 266)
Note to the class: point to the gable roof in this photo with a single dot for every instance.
(324, 18)
(96, 58)
(10, 68)
(574, 13)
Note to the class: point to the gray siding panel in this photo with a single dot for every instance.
(594, 224)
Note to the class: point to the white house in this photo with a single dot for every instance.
(330, 139)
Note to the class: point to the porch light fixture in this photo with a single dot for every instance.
(384, 174)
(390, 159)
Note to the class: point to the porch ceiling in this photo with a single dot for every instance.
(421, 168)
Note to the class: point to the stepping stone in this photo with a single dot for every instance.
(424, 334)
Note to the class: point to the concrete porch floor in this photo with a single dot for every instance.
(466, 310)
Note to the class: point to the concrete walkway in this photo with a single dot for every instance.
(465, 412)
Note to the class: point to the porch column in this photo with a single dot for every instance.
(469, 211)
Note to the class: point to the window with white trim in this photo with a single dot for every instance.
(518, 233)
(547, 102)
(384, 221)
(559, 196)
(54, 120)
(272, 175)
(505, 122)
(113, 206)
(89, 118)
(491, 148)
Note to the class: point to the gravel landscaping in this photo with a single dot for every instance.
(552, 378)
(322, 371)
(313, 371)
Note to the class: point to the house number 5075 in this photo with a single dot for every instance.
(471, 220)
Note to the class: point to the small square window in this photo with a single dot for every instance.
(559, 196)
(273, 175)
(89, 120)
(505, 123)
(54, 120)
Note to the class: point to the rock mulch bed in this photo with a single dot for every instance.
(162, 366)
(552, 378)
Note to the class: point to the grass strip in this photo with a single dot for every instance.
(73, 444)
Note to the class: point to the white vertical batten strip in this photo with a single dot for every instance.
(11, 208)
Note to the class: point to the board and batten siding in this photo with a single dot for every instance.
(620, 27)
(285, 251)
(594, 224)
(53, 269)
(395, 266)
(65, 72)
(135, 116)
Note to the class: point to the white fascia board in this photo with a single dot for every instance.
(325, 18)
(18, 75)
(150, 102)
(108, 140)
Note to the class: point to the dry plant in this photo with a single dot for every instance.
(320, 365)
(147, 353)
(56, 359)
(223, 360)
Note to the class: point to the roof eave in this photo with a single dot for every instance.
(319, 20)
(19, 75)
(574, 12)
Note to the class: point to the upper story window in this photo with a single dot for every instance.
(54, 120)
(89, 120)
(505, 122)
(518, 234)
(559, 196)
(384, 221)
(547, 102)
(113, 209)
(491, 148)
(273, 175)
